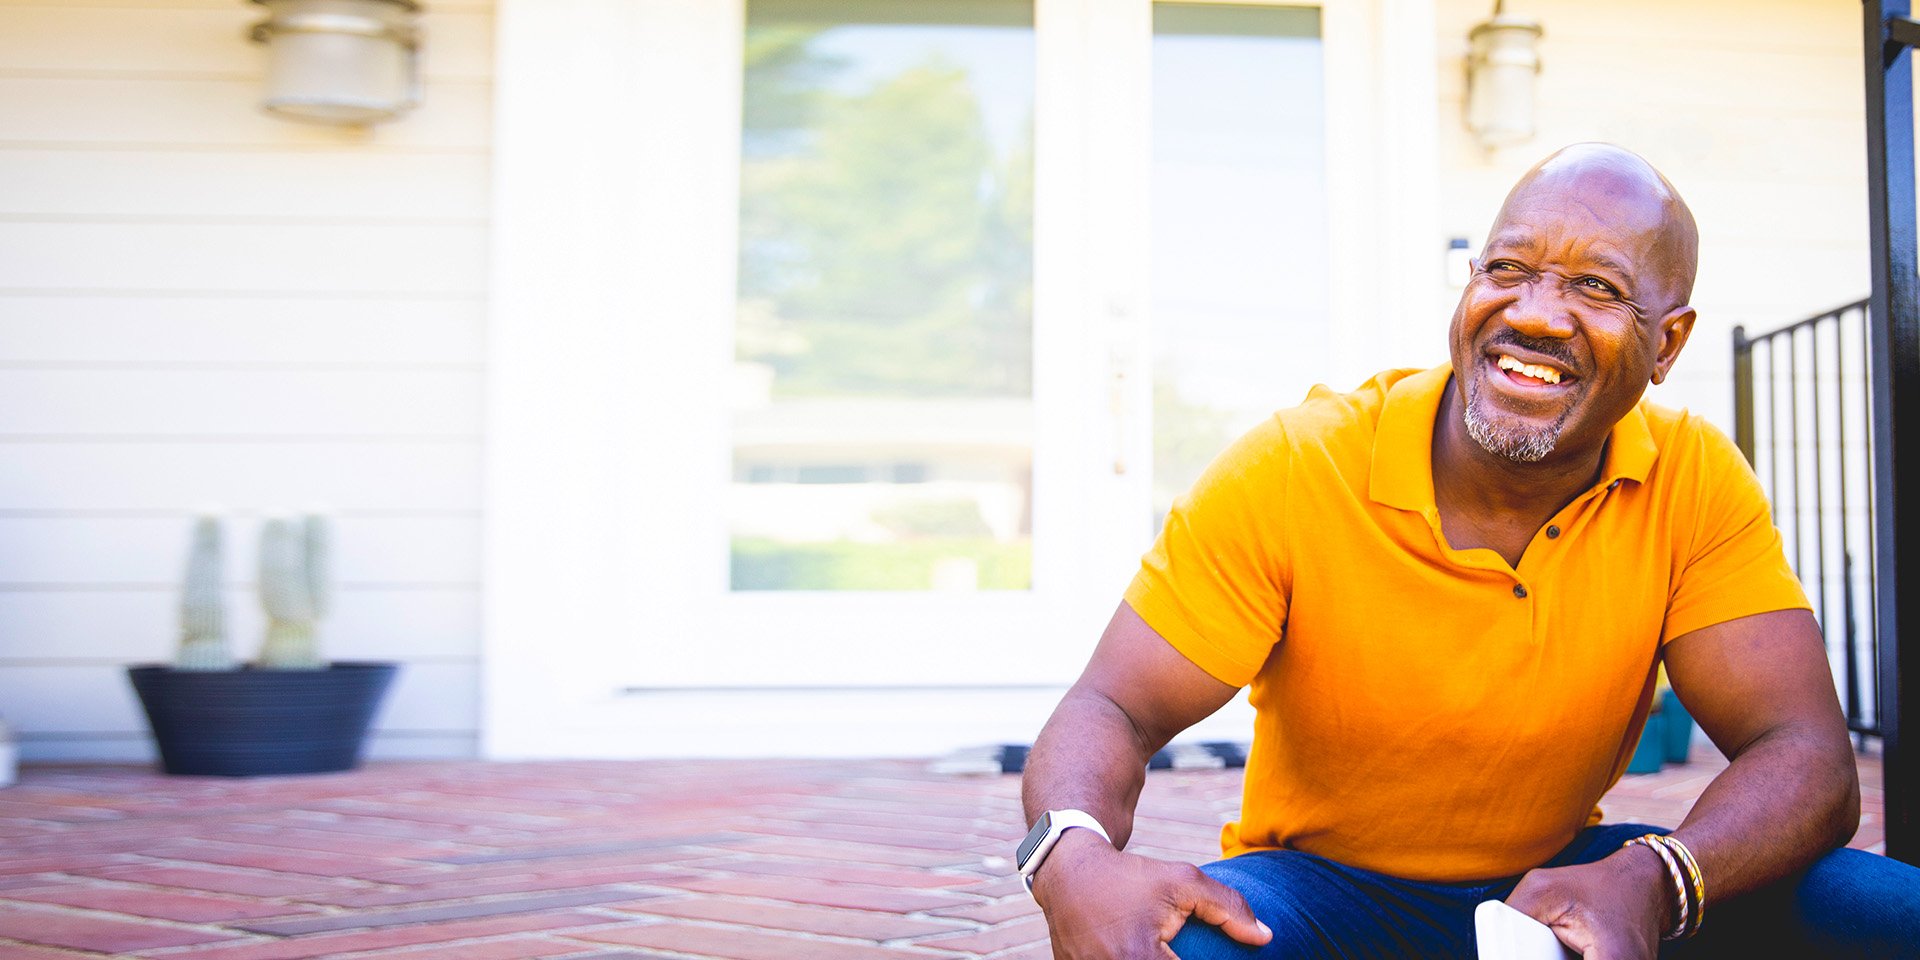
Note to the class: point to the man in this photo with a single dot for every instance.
(1450, 592)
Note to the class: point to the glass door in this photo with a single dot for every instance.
(1005, 276)
(837, 348)
(882, 421)
(905, 499)
(1241, 321)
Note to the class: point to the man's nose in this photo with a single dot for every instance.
(1540, 309)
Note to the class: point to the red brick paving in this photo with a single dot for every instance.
(856, 924)
(10, 951)
(89, 931)
(659, 860)
(159, 904)
(748, 943)
(218, 880)
(490, 950)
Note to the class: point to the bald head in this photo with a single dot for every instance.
(1617, 187)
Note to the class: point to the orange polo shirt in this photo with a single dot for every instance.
(1433, 713)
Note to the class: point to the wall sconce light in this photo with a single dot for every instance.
(350, 62)
(1501, 65)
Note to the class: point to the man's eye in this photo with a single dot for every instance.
(1596, 285)
(1504, 268)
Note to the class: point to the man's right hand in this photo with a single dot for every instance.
(1102, 904)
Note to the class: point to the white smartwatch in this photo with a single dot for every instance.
(1045, 833)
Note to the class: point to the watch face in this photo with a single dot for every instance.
(1037, 834)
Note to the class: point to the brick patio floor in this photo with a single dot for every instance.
(765, 860)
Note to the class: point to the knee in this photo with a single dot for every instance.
(1204, 941)
(1860, 903)
(1293, 936)
(1279, 887)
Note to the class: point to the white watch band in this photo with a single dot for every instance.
(1057, 822)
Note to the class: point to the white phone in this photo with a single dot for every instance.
(1507, 934)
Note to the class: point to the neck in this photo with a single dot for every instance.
(1467, 477)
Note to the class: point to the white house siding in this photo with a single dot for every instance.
(1755, 110)
(201, 305)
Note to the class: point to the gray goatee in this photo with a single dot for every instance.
(1508, 442)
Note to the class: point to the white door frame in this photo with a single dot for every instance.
(608, 445)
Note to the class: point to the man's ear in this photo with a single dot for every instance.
(1675, 328)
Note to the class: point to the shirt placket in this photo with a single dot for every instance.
(1554, 539)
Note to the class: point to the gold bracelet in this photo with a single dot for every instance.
(1693, 874)
(1682, 916)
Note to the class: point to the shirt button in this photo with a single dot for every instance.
(1553, 532)
(1520, 591)
(1613, 485)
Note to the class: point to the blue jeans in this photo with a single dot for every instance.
(1849, 904)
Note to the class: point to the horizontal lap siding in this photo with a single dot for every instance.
(86, 477)
(205, 307)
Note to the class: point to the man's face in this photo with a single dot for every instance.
(1560, 329)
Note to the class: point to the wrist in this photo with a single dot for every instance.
(1647, 873)
(1069, 856)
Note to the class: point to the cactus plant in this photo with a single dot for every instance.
(293, 589)
(300, 714)
(203, 628)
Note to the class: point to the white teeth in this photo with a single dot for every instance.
(1533, 370)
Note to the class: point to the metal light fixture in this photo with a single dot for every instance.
(350, 62)
(1501, 65)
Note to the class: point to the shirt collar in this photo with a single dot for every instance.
(1402, 472)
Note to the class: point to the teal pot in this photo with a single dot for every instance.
(248, 722)
(1651, 751)
(1678, 729)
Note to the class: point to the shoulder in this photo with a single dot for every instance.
(1689, 445)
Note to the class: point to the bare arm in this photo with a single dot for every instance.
(1135, 694)
(1761, 690)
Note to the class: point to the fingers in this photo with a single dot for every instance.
(1538, 899)
(1580, 940)
(1569, 929)
(1526, 899)
(1216, 903)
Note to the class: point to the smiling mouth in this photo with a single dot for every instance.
(1529, 374)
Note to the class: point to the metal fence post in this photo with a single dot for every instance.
(1743, 392)
(1894, 319)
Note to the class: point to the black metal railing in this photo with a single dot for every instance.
(1803, 408)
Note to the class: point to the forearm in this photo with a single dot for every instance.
(1090, 757)
(1786, 798)
(1099, 902)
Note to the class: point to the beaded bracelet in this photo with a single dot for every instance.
(1693, 873)
(1683, 915)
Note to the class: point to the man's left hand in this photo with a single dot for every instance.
(1613, 909)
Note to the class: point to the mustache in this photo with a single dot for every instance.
(1555, 349)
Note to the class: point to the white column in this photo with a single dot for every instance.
(615, 167)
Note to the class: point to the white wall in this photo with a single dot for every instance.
(203, 305)
(1755, 111)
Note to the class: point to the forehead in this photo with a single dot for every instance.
(1556, 243)
(1598, 229)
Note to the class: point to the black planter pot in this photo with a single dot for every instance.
(247, 722)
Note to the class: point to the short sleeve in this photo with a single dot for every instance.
(1731, 564)
(1215, 583)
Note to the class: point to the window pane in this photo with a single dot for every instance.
(882, 433)
(1240, 318)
